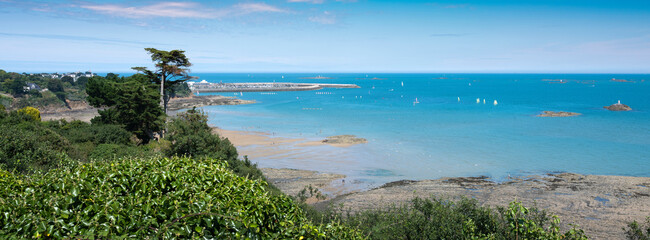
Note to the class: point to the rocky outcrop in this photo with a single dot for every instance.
(558, 114)
(200, 101)
(345, 140)
(618, 107)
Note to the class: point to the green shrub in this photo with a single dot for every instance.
(111, 151)
(189, 134)
(81, 151)
(151, 198)
(636, 231)
(80, 132)
(3, 112)
(28, 148)
(464, 219)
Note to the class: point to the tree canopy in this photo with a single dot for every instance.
(132, 102)
(172, 68)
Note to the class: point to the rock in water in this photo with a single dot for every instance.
(558, 114)
(618, 107)
(344, 139)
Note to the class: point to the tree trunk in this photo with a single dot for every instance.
(162, 102)
(162, 93)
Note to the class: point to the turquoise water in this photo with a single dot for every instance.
(443, 137)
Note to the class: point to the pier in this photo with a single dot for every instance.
(204, 86)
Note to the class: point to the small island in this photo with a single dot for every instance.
(618, 107)
(558, 114)
(337, 141)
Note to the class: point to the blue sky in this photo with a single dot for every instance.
(549, 36)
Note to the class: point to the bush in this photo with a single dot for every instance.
(465, 219)
(30, 148)
(3, 112)
(81, 151)
(151, 198)
(32, 112)
(111, 151)
(636, 231)
(190, 135)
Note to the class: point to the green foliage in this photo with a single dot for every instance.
(32, 112)
(3, 111)
(81, 82)
(55, 85)
(80, 151)
(134, 105)
(151, 198)
(68, 79)
(524, 223)
(101, 92)
(28, 147)
(464, 219)
(190, 134)
(180, 90)
(15, 86)
(172, 68)
(636, 231)
(79, 132)
(5, 101)
(111, 151)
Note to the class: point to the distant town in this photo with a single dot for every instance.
(73, 75)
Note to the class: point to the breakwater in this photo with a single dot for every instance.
(263, 87)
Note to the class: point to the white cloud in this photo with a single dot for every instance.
(325, 18)
(180, 10)
(246, 8)
(307, 1)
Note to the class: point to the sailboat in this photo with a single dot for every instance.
(495, 102)
(402, 83)
(416, 101)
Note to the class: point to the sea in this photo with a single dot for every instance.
(428, 126)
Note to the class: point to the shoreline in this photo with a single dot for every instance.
(601, 205)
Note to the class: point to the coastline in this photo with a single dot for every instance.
(601, 205)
